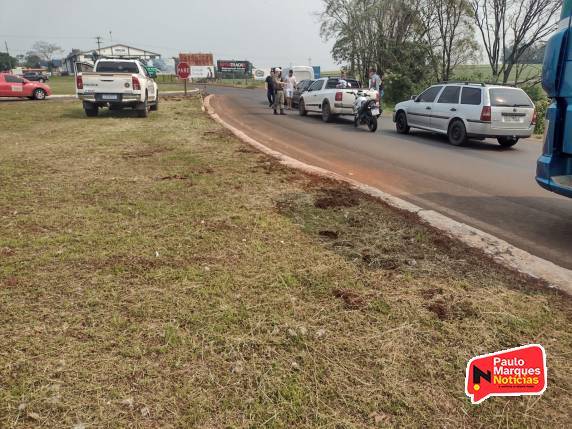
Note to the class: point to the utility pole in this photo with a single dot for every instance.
(8, 53)
(110, 36)
(98, 38)
(310, 61)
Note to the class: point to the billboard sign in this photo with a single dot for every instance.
(238, 67)
(260, 74)
(202, 72)
(197, 59)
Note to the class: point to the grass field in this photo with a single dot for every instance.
(64, 85)
(158, 273)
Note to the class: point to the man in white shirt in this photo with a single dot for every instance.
(291, 83)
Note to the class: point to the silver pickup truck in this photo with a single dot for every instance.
(118, 83)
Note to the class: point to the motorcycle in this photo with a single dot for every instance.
(366, 111)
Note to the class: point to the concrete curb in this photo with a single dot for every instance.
(502, 252)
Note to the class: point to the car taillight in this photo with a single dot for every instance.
(135, 83)
(534, 118)
(79, 82)
(486, 114)
(339, 96)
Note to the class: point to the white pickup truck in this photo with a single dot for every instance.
(118, 83)
(324, 97)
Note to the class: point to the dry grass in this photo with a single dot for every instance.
(157, 273)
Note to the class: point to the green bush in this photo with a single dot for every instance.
(535, 92)
(541, 107)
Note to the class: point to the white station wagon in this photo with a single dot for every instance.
(465, 110)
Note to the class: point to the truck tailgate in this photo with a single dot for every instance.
(113, 83)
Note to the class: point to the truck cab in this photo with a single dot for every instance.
(554, 167)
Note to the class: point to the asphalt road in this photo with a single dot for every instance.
(482, 184)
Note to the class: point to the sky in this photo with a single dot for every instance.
(265, 32)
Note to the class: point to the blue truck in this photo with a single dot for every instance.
(554, 167)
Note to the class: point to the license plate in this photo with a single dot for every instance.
(375, 112)
(512, 118)
(109, 96)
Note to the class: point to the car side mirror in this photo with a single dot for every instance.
(414, 98)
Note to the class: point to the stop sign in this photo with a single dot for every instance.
(183, 70)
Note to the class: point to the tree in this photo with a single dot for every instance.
(32, 60)
(378, 34)
(45, 50)
(7, 62)
(509, 28)
(449, 34)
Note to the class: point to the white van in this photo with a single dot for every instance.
(300, 72)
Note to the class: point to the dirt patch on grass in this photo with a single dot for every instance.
(145, 153)
(175, 177)
(337, 197)
(350, 298)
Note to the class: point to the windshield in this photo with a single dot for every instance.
(117, 67)
(509, 97)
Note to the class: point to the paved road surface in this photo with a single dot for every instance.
(483, 185)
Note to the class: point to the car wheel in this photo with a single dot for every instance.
(326, 112)
(401, 124)
(41, 80)
(507, 141)
(39, 94)
(302, 108)
(155, 105)
(457, 133)
(372, 124)
(92, 111)
(143, 108)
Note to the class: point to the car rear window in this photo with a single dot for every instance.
(117, 67)
(509, 97)
(471, 96)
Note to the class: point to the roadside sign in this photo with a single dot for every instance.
(183, 70)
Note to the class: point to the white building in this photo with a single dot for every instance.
(81, 60)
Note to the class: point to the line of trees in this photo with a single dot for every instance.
(41, 52)
(415, 42)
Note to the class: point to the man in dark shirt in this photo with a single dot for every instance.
(270, 88)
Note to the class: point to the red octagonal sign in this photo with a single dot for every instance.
(183, 70)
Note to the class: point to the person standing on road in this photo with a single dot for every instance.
(375, 83)
(270, 88)
(343, 82)
(278, 92)
(291, 83)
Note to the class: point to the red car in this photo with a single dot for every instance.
(14, 86)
